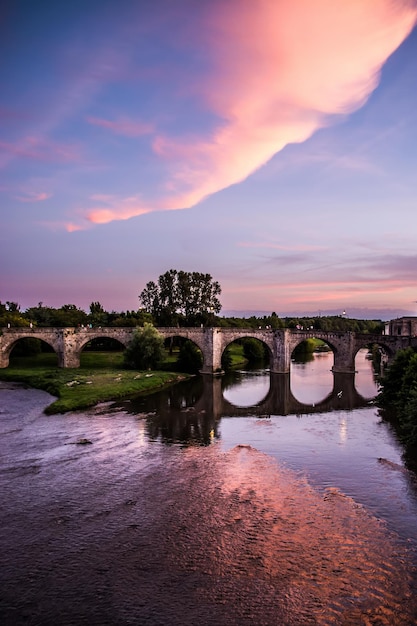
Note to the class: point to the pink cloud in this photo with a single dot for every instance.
(123, 126)
(71, 227)
(116, 209)
(282, 68)
(280, 71)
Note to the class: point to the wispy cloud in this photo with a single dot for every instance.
(114, 208)
(123, 126)
(33, 196)
(40, 149)
(280, 71)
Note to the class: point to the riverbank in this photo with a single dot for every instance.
(101, 381)
(100, 378)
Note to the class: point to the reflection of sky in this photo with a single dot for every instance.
(248, 391)
(311, 382)
(335, 449)
(251, 140)
(364, 379)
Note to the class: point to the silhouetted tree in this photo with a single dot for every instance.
(178, 295)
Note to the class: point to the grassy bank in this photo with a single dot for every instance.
(237, 358)
(99, 379)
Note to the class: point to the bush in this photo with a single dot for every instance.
(253, 350)
(227, 360)
(190, 359)
(146, 350)
(305, 347)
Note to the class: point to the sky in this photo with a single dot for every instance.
(269, 143)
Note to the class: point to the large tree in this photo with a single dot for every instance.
(178, 295)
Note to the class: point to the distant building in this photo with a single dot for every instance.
(402, 326)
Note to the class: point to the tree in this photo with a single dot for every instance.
(191, 296)
(398, 395)
(190, 359)
(98, 316)
(69, 315)
(253, 349)
(10, 315)
(146, 350)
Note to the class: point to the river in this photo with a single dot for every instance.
(203, 505)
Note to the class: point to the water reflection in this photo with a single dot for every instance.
(189, 413)
(183, 414)
(366, 380)
(246, 388)
(311, 379)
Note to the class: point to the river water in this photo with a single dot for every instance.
(252, 504)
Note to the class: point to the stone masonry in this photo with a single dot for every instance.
(68, 343)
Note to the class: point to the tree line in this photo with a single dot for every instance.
(176, 298)
(397, 400)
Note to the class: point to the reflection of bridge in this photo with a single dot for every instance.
(280, 399)
(189, 413)
(68, 343)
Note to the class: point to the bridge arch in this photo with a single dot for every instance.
(12, 339)
(227, 336)
(84, 341)
(362, 342)
(265, 345)
(184, 352)
(196, 336)
(298, 341)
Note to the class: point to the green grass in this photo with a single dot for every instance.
(100, 378)
(236, 352)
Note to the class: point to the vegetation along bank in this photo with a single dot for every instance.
(397, 401)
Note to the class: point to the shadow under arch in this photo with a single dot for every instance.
(99, 345)
(36, 352)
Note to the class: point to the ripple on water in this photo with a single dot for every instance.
(122, 531)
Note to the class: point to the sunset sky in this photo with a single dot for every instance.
(270, 143)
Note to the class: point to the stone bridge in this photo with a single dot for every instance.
(68, 343)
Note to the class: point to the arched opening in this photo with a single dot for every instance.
(182, 355)
(29, 352)
(102, 352)
(246, 353)
(369, 363)
(311, 377)
(246, 362)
